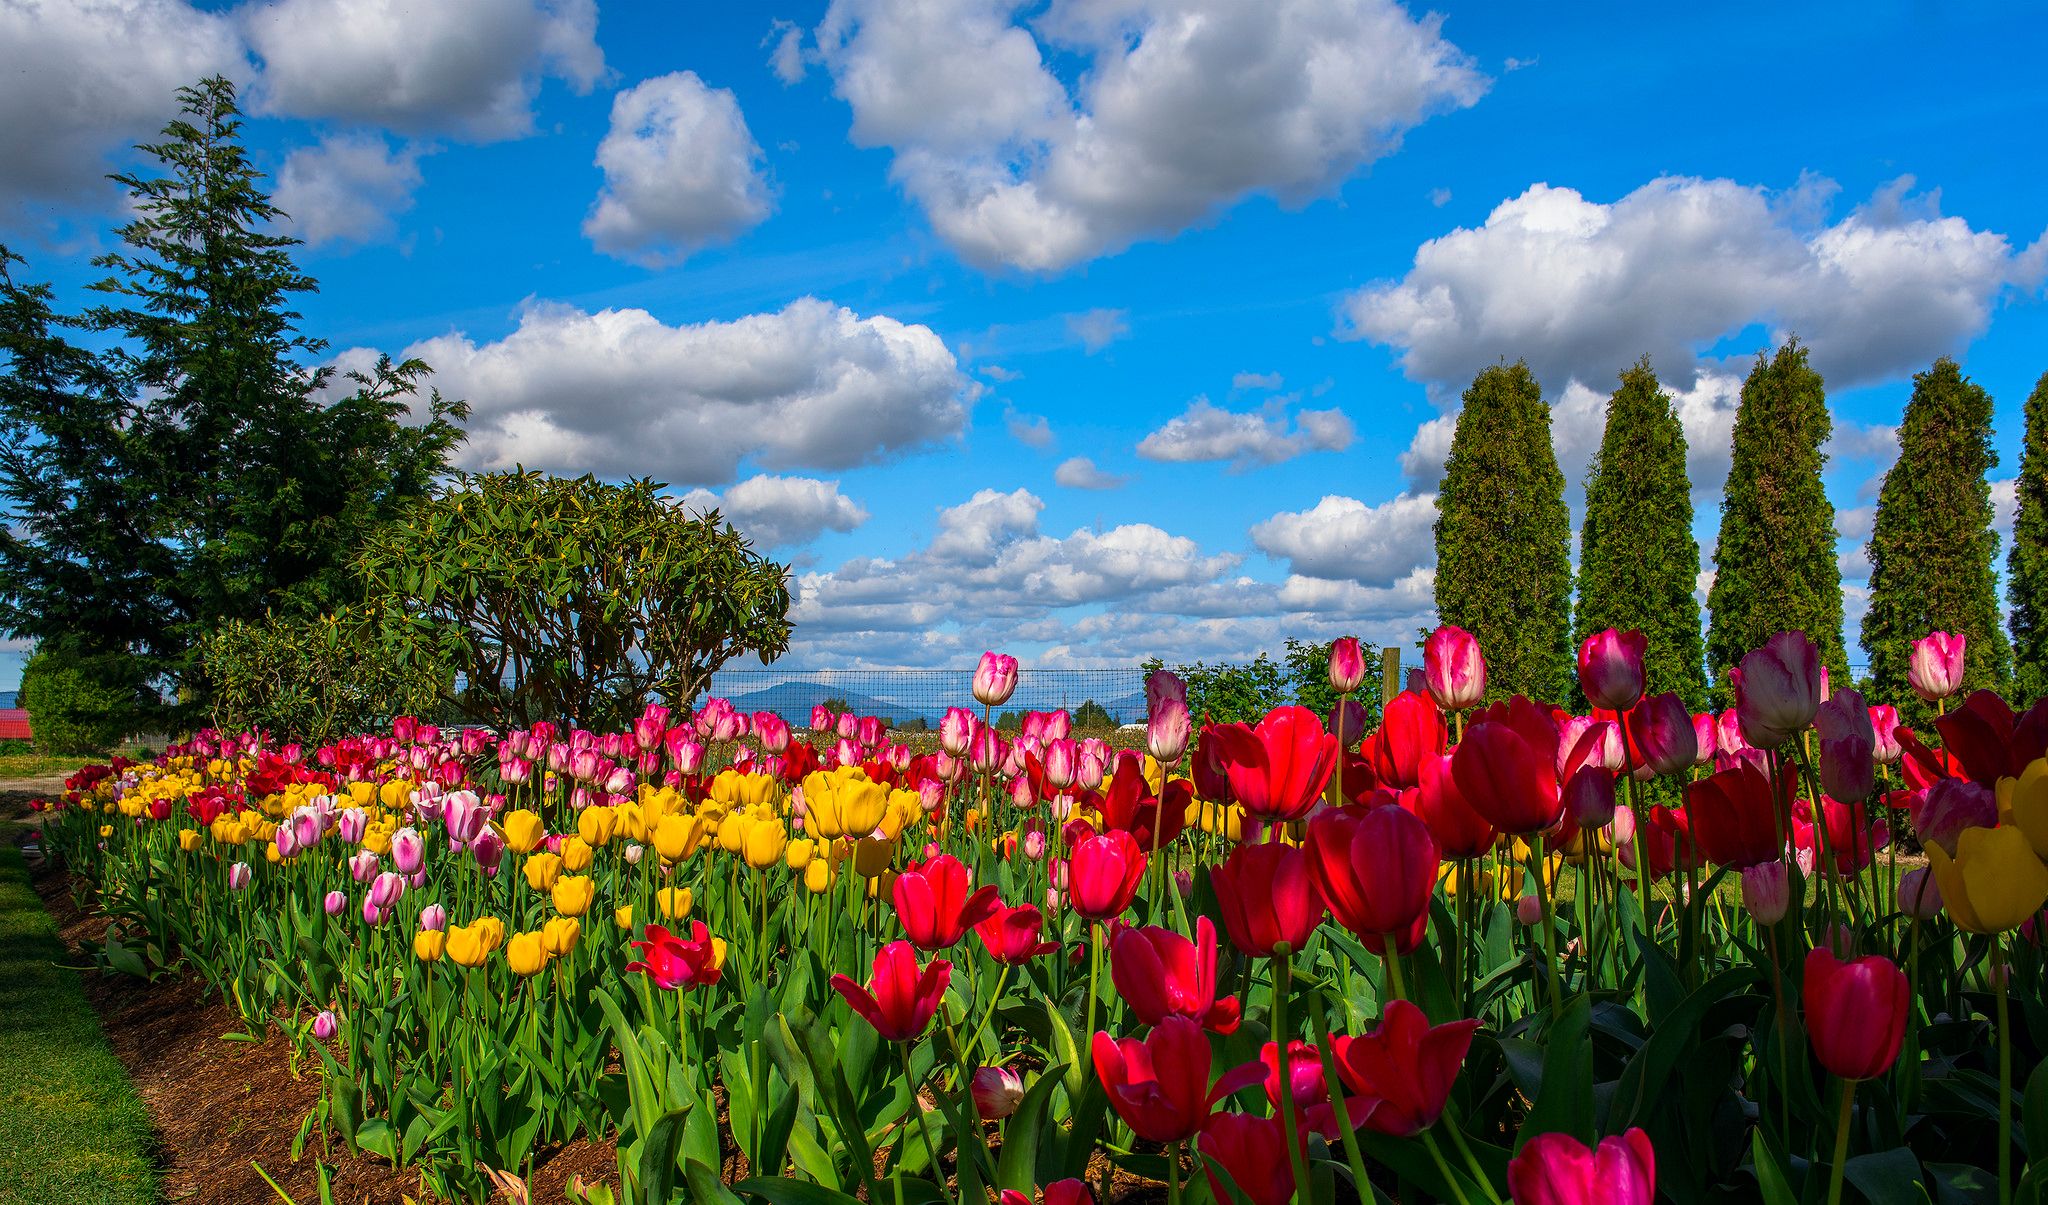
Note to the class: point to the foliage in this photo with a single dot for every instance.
(312, 680)
(1638, 562)
(1308, 676)
(83, 702)
(557, 598)
(74, 1129)
(1091, 716)
(2026, 567)
(1230, 693)
(1503, 536)
(1774, 564)
(1932, 545)
(197, 471)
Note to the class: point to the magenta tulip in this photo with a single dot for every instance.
(1454, 668)
(1347, 665)
(1611, 668)
(995, 679)
(1935, 670)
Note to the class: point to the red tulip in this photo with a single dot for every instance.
(1012, 934)
(1161, 974)
(935, 906)
(1252, 1151)
(899, 999)
(1557, 1169)
(1278, 769)
(1160, 1086)
(1855, 1013)
(1506, 767)
(1268, 897)
(1611, 668)
(1210, 768)
(1777, 689)
(1662, 737)
(1377, 868)
(1453, 668)
(1307, 1085)
(1988, 742)
(1403, 1070)
(673, 963)
(1852, 838)
(1068, 1192)
(1459, 829)
(1411, 731)
(1129, 804)
(1935, 670)
(1347, 665)
(1735, 818)
(1103, 874)
(1666, 842)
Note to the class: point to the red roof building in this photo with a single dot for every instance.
(14, 725)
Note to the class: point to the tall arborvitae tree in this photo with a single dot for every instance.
(1638, 561)
(1932, 545)
(2026, 568)
(1774, 564)
(1503, 537)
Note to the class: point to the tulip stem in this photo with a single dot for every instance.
(931, 1151)
(1841, 1143)
(1320, 1019)
(1443, 1168)
(1283, 980)
(1549, 930)
(1173, 1173)
(1998, 981)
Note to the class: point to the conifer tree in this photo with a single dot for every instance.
(1932, 545)
(1503, 536)
(1774, 564)
(1638, 561)
(2026, 566)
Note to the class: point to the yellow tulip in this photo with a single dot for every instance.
(429, 944)
(2023, 803)
(843, 803)
(632, 822)
(677, 837)
(674, 902)
(493, 931)
(523, 831)
(561, 934)
(271, 855)
(395, 794)
(818, 876)
(799, 852)
(871, 856)
(576, 854)
(596, 824)
(467, 945)
(622, 916)
(1994, 882)
(732, 832)
(362, 794)
(751, 791)
(528, 953)
(188, 839)
(765, 840)
(573, 894)
(377, 839)
(542, 870)
(106, 830)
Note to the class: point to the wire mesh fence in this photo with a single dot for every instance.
(917, 698)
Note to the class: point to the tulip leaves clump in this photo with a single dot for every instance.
(564, 599)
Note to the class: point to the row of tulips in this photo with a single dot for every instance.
(1486, 952)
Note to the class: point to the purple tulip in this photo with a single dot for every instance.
(487, 849)
(1777, 689)
(1167, 730)
(239, 875)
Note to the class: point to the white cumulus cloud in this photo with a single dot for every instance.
(347, 188)
(1080, 473)
(1206, 432)
(681, 172)
(781, 511)
(1343, 539)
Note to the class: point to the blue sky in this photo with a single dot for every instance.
(1093, 328)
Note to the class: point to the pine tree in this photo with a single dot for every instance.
(1503, 536)
(1932, 545)
(1638, 562)
(1774, 564)
(2026, 567)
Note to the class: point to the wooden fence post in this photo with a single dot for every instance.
(1390, 674)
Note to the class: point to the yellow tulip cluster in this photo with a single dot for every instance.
(1997, 877)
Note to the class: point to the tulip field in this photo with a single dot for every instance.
(1494, 950)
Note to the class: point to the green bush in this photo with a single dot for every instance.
(84, 703)
(1232, 694)
(312, 680)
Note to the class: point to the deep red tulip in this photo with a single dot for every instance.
(1252, 1151)
(1459, 829)
(1210, 768)
(1103, 874)
(1665, 839)
(1307, 1085)
(1506, 767)
(673, 963)
(1935, 670)
(935, 905)
(1853, 839)
(1558, 1169)
(1855, 1013)
(1068, 1192)
(1377, 868)
(1403, 1070)
(1012, 935)
(1278, 769)
(1268, 897)
(1160, 1086)
(1453, 668)
(899, 999)
(1411, 731)
(1611, 668)
(1988, 742)
(1661, 736)
(1777, 689)
(1161, 974)
(1736, 820)
(1129, 804)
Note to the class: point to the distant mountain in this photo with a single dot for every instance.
(793, 701)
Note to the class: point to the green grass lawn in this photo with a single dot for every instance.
(71, 1127)
(39, 765)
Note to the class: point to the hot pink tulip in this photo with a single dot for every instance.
(995, 679)
(1611, 668)
(1664, 736)
(1936, 668)
(1557, 1169)
(1347, 665)
(1454, 668)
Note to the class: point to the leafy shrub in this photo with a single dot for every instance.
(312, 680)
(1231, 694)
(84, 703)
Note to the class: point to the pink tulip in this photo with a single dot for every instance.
(1665, 735)
(1347, 665)
(995, 679)
(1766, 892)
(324, 1025)
(362, 866)
(1611, 668)
(1557, 1169)
(1164, 684)
(1777, 689)
(1454, 668)
(1936, 668)
(408, 850)
(997, 1092)
(773, 732)
(1884, 730)
(335, 902)
(1167, 730)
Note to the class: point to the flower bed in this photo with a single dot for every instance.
(1259, 962)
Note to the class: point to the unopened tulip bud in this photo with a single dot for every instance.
(324, 1026)
(487, 849)
(239, 875)
(1167, 730)
(433, 918)
(387, 889)
(1935, 670)
(931, 794)
(1034, 844)
(1529, 911)
(1611, 668)
(1347, 665)
(408, 850)
(1089, 772)
(1453, 668)
(634, 852)
(997, 1092)
(1766, 892)
(335, 903)
(1919, 894)
(995, 679)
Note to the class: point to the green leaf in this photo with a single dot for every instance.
(1564, 1101)
(795, 1192)
(1770, 1172)
(1887, 1177)
(1023, 1134)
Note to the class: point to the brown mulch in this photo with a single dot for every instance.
(220, 1106)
